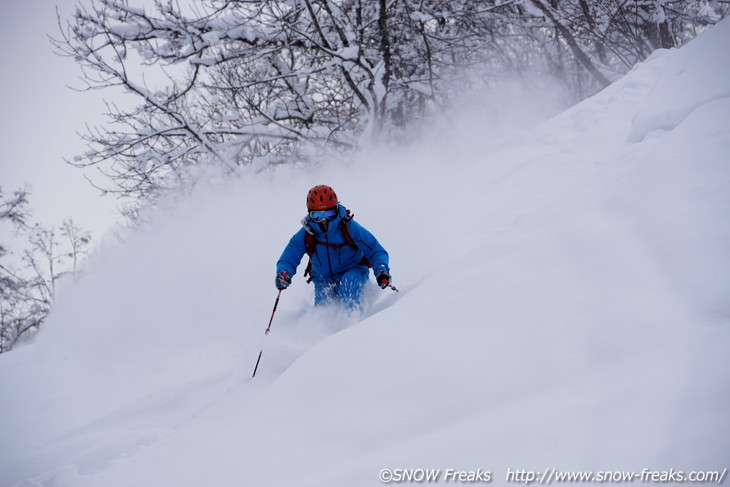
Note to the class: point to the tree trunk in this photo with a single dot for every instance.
(573, 44)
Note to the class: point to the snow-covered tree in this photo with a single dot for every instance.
(244, 82)
(28, 281)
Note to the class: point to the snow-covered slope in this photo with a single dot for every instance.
(564, 304)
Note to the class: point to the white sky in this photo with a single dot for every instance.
(40, 118)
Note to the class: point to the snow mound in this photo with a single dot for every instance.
(687, 80)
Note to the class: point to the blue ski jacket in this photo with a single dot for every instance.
(330, 263)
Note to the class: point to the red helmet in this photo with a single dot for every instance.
(321, 197)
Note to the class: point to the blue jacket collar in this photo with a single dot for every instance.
(315, 228)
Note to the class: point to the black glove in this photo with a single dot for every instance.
(283, 279)
(383, 279)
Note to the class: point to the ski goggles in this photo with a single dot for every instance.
(322, 215)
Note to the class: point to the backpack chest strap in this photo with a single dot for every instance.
(331, 245)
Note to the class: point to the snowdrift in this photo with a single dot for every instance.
(564, 304)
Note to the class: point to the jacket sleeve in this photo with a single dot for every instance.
(370, 246)
(292, 255)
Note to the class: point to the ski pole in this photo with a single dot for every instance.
(268, 329)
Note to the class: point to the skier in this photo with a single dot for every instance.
(340, 252)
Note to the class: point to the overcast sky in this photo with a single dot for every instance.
(40, 118)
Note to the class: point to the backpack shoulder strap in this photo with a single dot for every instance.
(310, 243)
(344, 227)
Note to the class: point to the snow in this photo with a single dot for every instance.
(563, 304)
(688, 83)
(349, 53)
(126, 31)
